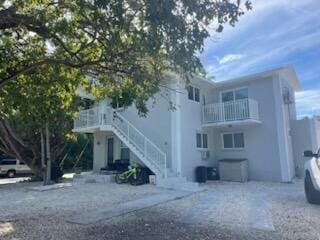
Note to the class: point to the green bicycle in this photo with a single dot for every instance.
(133, 175)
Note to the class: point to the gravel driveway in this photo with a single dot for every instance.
(253, 210)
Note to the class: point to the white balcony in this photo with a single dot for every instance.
(92, 119)
(244, 111)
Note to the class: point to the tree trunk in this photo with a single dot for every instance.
(43, 160)
(48, 165)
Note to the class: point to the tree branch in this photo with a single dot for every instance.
(12, 133)
(15, 74)
(10, 142)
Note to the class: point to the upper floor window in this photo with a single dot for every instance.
(202, 140)
(193, 93)
(233, 95)
(233, 140)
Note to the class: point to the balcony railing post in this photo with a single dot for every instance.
(165, 167)
(128, 131)
(87, 118)
(222, 109)
(249, 106)
(145, 147)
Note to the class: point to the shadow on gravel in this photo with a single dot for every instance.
(142, 229)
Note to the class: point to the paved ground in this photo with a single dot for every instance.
(253, 210)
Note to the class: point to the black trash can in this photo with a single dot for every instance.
(145, 172)
(212, 173)
(121, 165)
(201, 174)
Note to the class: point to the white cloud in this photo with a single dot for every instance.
(308, 103)
(271, 54)
(230, 58)
(269, 34)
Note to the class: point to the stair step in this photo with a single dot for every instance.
(140, 154)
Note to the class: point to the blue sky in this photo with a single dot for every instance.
(273, 34)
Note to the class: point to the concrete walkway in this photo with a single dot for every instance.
(125, 208)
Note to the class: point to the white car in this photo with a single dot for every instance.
(312, 177)
(13, 167)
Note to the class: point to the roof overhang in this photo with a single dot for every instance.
(282, 71)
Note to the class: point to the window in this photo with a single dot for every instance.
(193, 93)
(197, 94)
(227, 141)
(199, 140)
(241, 93)
(227, 96)
(202, 140)
(238, 140)
(234, 95)
(233, 140)
(8, 162)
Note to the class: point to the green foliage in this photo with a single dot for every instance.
(47, 47)
(73, 150)
(48, 95)
(126, 44)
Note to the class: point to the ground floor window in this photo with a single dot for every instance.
(233, 140)
(202, 140)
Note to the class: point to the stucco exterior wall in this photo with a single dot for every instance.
(157, 125)
(261, 144)
(267, 145)
(100, 150)
(191, 123)
(289, 113)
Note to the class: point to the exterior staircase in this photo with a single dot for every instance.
(151, 155)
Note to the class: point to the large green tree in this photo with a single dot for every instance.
(47, 47)
(36, 113)
(126, 44)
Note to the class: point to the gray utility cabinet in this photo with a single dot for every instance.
(235, 170)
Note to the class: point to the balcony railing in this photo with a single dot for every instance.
(87, 118)
(91, 119)
(231, 111)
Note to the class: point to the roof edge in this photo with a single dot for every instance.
(288, 70)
